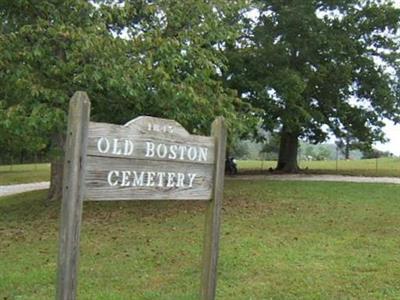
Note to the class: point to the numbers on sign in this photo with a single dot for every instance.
(160, 128)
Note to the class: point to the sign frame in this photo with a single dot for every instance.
(74, 189)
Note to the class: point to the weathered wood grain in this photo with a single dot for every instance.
(160, 125)
(108, 151)
(93, 173)
(139, 135)
(73, 185)
(97, 187)
(213, 216)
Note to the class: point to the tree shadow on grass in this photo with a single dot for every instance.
(32, 206)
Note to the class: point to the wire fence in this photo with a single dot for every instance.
(362, 167)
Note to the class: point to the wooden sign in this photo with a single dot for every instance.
(146, 159)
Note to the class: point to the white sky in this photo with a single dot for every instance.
(393, 134)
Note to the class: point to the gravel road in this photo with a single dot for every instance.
(6, 190)
(307, 177)
(20, 188)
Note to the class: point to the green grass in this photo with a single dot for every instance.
(278, 240)
(386, 167)
(364, 167)
(13, 174)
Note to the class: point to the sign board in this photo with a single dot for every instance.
(146, 159)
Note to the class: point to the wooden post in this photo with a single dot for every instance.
(337, 159)
(73, 186)
(211, 235)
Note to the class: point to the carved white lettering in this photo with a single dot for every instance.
(150, 178)
(191, 179)
(176, 152)
(128, 149)
(160, 128)
(137, 180)
(182, 151)
(161, 176)
(125, 178)
(112, 181)
(181, 178)
(172, 149)
(162, 151)
(203, 153)
(192, 153)
(103, 145)
(134, 178)
(119, 146)
(150, 149)
(116, 149)
(170, 181)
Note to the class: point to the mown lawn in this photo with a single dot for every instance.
(366, 167)
(26, 173)
(363, 167)
(279, 240)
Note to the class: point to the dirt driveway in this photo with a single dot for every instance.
(309, 177)
(6, 190)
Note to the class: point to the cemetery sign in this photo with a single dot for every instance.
(146, 159)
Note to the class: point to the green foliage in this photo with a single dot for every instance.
(375, 153)
(19, 134)
(160, 58)
(320, 66)
(270, 148)
(240, 150)
(247, 149)
(317, 152)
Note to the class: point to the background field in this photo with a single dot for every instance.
(13, 174)
(279, 240)
(366, 167)
(362, 167)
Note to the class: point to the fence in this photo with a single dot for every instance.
(361, 167)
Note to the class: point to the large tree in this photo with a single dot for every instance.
(316, 67)
(161, 58)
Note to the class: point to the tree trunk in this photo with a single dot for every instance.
(347, 152)
(57, 168)
(347, 148)
(287, 160)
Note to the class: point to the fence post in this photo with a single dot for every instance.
(211, 235)
(73, 185)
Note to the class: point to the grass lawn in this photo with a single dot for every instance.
(279, 240)
(24, 173)
(364, 167)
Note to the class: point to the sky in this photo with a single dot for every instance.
(393, 134)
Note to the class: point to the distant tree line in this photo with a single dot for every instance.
(252, 150)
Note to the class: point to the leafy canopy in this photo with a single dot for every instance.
(162, 58)
(316, 67)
